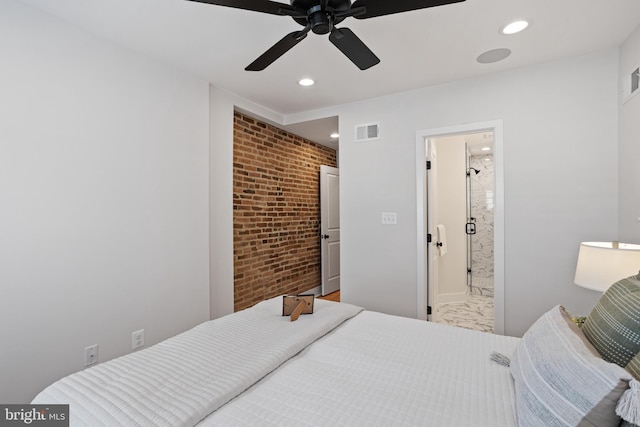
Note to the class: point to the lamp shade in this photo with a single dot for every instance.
(601, 264)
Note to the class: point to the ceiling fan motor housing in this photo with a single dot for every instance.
(320, 20)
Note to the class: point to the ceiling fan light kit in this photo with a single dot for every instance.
(321, 17)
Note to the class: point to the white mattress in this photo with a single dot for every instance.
(180, 381)
(381, 370)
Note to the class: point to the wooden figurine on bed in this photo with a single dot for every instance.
(295, 305)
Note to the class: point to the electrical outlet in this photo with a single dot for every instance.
(90, 355)
(137, 339)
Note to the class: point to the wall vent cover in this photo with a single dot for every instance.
(631, 86)
(367, 132)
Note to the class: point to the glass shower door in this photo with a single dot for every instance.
(471, 221)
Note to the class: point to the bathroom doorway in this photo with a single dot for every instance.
(460, 205)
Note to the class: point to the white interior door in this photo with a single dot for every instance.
(432, 221)
(330, 228)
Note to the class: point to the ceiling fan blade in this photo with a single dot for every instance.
(354, 49)
(276, 51)
(264, 6)
(386, 7)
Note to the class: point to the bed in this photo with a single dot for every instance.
(340, 366)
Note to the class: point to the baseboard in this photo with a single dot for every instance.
(452, 298)
(317, 291)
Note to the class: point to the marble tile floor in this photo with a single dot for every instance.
(482, 286)
(475, 313)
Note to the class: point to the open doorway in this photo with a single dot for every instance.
(466, 233)
(460, 204)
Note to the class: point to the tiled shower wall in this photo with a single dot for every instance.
(482, 208)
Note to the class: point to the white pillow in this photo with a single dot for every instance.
(560, 380)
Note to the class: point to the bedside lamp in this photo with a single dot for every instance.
(601, 264)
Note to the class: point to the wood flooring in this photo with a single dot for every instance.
(335, 296)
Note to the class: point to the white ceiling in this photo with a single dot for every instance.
(477, 141)
(417, 49)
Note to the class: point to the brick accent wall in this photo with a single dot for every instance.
(276, 211)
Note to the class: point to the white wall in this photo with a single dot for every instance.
(221, 203)
(222, 105)
(560, 154)
(629, 174)
(103, 200)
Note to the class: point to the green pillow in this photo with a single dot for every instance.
(633, 367)
(613, 327)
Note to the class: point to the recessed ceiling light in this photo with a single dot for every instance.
(306, 82)
(335, 135)
(514, 27)
(486, 148)
(494, 55)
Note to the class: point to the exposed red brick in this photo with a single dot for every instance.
(276, 211)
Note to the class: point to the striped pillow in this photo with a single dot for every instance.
(560, 381)
(633, 367)
(613, 327)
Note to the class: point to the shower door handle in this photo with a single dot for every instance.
(471, 228)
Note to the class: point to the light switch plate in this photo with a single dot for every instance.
(389, 218)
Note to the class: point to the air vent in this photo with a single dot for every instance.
(367, 132)
(631, 85)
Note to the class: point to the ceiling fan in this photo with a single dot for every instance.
(321, 17)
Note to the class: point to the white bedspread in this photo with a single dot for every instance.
(381, 370)
(180, 381)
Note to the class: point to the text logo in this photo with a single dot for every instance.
(34, 415)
